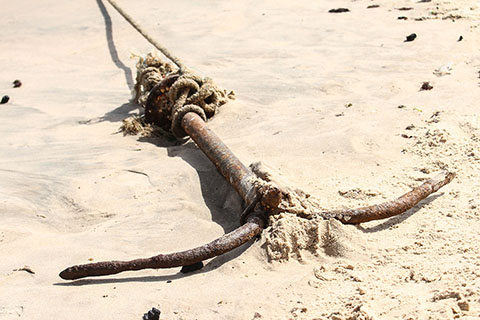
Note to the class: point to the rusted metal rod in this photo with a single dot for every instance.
(226, 162)
(394, 207)
(227, 242)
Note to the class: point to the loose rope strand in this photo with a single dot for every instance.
(155, 43)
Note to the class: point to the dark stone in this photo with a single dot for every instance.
(339, 10)
(411, 37)
(373, 6)
(426, 86)
(17, 83)
(153, 314)
(4, 99)
(460, 39)
(402, 18)
(192, 267)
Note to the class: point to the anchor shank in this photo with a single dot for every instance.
(222, 157)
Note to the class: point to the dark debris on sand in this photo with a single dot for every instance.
(153, 314)
(426, 86)
(411, 37)
(4, 99)
(339, 10)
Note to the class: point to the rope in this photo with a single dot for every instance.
(157, 45)
(150, 71)
(188, 92)
(167, 95)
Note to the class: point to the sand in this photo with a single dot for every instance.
(330, 100)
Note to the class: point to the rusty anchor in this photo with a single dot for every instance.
(181, 103)
(184, 118)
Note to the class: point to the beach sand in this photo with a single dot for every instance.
(330, 100)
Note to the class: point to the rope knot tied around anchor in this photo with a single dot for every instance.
(167, 94)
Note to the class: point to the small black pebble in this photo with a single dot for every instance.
(426, 86)
(339, 10)
(17, 83)
(411, 37)
(153, 314)
(460, 39)
(192, 267)
(4, 99)
(373, 6)
(405, 8)
(402, 18)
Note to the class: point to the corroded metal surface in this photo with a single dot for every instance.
(226, 162)
(157, 108)
(227, 242)
(394, 207)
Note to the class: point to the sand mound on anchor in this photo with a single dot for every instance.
(290, 236)
(296, 226)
